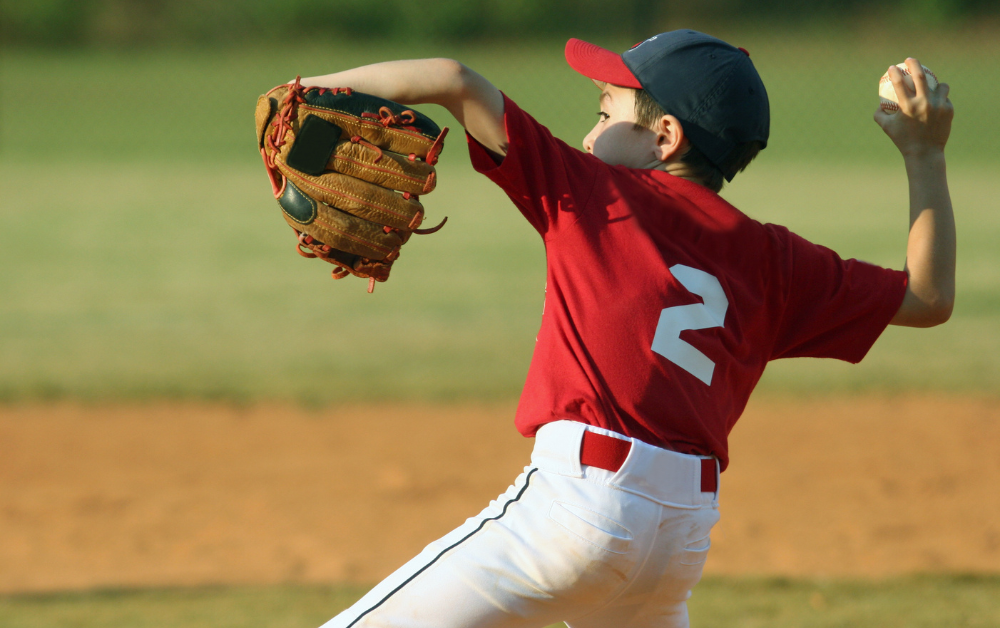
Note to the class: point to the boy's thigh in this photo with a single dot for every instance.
(658, 593)
(542, 552)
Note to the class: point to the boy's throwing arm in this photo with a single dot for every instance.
(920, 131)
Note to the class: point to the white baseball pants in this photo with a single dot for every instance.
(567, 542)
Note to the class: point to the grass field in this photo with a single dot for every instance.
(915, 602)
(195, 105)
(197, 291)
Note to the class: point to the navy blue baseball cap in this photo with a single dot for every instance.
(710, 86)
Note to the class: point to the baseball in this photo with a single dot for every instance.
(887, 93)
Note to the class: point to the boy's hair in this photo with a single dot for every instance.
(647, 112)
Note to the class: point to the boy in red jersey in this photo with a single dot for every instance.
(664, 304)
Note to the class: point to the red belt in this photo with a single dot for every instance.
(609, 453)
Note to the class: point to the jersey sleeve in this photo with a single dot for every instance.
(833, 308)
(549, 181)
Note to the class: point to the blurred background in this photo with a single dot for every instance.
(144, 264)
(161, 269)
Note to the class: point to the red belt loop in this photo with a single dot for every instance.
(709, 483)
(603, 452)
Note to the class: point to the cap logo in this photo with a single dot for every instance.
(643, 41)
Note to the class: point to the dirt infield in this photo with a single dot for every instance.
(183, 494)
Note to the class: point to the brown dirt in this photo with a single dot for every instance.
(184, 494)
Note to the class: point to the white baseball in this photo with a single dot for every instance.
(887, 93)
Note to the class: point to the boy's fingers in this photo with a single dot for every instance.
(881, 117)
(885, 119)
(899, 85)
(942, 90)
(919, 78)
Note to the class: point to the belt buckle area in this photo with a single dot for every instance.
(609, 453)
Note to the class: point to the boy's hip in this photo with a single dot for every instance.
(669, 478)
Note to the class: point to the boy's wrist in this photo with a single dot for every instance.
(928, 157)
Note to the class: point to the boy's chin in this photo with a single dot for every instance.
(622, 162)
(613, 160)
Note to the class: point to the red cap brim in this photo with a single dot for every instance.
(599, 64)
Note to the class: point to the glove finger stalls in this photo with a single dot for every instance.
(319, 146)
(354, 196)
(383, 168)
(400, 124)
(396, 139)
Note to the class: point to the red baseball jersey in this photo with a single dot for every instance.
(663, 302)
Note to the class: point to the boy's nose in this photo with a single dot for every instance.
(588, 142)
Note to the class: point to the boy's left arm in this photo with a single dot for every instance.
(920, 131)
(473, 100)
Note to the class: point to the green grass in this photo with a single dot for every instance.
(196, 104)
(196, 291)
(913, 602)
(219, 607)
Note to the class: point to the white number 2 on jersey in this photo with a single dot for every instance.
(674, 320)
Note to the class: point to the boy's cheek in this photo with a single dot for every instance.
(600, 144)
(610, 151)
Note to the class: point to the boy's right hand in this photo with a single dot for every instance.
(923, 123)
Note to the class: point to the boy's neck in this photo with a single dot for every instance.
(680, 169)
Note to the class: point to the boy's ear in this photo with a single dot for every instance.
(671, 142)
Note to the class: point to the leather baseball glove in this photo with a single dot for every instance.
(347, 169)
